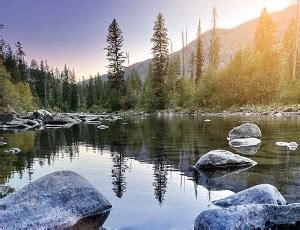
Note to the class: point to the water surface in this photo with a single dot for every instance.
(142, 165)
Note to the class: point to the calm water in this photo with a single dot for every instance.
(142, 165)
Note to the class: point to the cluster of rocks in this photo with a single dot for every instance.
(56, 201)
(245, 135)
(259, 207)
(45, 119)
(39, 118)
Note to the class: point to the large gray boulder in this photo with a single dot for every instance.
(246, 130)
(260, 194)
(57, 200)
(62, 120)
(42, 115)
(222, 159)
(250, 216)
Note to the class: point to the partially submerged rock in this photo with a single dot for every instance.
(222, 159)
(260, 194)
(58, 200)
(246, 130)
(245, 146)
(289, 145)
(250, 216)
(13, 151)
(244, 142)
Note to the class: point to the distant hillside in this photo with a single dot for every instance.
(232, 40)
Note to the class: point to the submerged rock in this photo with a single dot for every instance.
(260, 194)
(57, 200)
(246, 130)
(247, 150)
(222, 159)
(250, 216)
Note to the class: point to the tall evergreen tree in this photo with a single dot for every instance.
(183, 54)
(265, 33)
(160, 61)
(199, 56)
(90, 100)
(214, 49)
(66, 89)
(22, 68)
(115, 56)
(288, 47)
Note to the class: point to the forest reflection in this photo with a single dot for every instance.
(167, 145)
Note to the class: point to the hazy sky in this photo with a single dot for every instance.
(74, 31)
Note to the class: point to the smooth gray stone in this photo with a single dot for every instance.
(259, 194)
(246, 130)
(57, 200)
(250, 216)
(222, 159)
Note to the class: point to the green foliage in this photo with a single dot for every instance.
(115, 56)
(199, 56)
(160, 63)
(113, 102)
(133, 88)
(17, 95)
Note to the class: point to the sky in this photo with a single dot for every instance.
(74, 31)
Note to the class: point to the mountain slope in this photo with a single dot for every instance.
(232, 40)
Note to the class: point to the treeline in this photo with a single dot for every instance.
(262, 73)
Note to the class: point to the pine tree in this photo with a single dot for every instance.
(214, 49)
(183, 54)
(115, 56)
(160, 62)
(265, 33)
(22, 68)
(66, 89)
(90, 100)
(288, 47)
(199, 56)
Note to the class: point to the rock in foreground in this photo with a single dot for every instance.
(59, 199)
(251, 216)
(260, 194)
(246, 130)
(222, 159)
